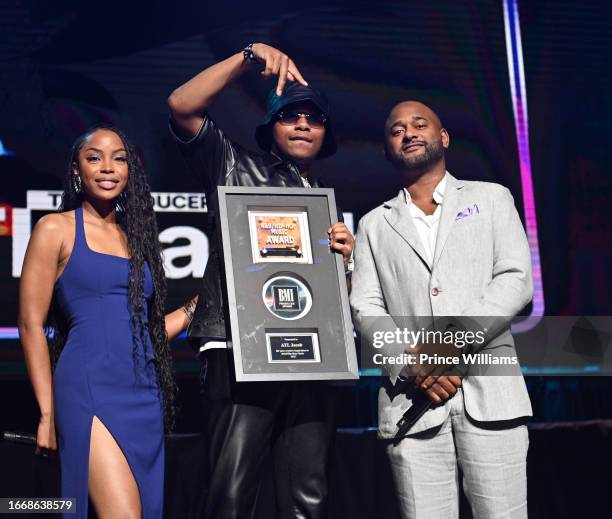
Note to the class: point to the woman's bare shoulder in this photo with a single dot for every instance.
(54, 227)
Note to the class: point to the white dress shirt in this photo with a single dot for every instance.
(427, 225)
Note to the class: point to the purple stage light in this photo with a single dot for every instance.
(516, 70)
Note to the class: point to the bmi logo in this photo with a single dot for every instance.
(286, 298)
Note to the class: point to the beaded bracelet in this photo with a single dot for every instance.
(189, 309)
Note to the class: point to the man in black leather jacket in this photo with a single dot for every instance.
(294, 418)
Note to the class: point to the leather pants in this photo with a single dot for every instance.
(244, 421)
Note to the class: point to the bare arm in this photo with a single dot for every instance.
(189, 101)
(35, 291)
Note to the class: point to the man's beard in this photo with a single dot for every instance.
(433, 153)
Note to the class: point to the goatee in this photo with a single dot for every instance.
(433, 153)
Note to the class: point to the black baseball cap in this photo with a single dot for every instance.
(295, 92)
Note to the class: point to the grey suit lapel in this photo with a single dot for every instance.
(450, 207)
(398, 216)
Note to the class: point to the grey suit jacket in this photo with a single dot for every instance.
(481, 267)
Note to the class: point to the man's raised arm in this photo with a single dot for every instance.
(189, 102)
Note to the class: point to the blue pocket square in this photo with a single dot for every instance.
(468, 211)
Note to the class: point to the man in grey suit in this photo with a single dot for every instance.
(446, 247)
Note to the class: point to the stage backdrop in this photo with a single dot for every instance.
(523, 88)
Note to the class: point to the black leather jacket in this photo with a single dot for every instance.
(221, 162)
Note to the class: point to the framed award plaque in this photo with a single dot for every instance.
(280, 236)
(287, 294)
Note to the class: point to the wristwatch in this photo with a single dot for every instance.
(248, 54)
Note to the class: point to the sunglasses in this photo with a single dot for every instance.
(291, 117)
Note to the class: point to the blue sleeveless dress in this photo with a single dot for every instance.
(96, 375)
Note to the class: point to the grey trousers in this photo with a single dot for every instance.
(493, 461)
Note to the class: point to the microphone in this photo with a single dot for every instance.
(18, 437)
(420, 404)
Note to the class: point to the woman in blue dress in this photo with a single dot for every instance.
(94, 271)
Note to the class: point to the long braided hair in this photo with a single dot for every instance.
(137, 217)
